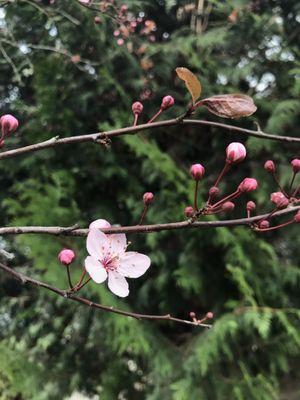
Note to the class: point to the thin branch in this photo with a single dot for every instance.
(95, 137)
(72, 231)
(26, 279)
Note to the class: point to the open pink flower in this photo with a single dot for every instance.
(108, 259)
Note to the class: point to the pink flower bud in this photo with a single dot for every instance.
(189, 211)
(295, 165)
(192, 315)
(214, 191)
(100, 224)
(209, 315)
(270, 166)
(66, 256)
(148, 198)
(197, 171)
(279, 199)
(9, 124)
(297, 217)
(167, 102)
(137, 108)
(251, 206)
(120, 42)
(124, 8)
(228, 206)
(264, 224)
(235, 152)
(248, 185)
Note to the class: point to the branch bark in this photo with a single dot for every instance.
(74, 231)
(103, 136)
(63, 293)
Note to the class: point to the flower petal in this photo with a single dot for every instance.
(100, 224)
(97, 243)
(118, 243)
(118, 284)
(95, 269)
(133, 264)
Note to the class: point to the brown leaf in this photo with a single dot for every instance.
(230, 105)
(191, 82)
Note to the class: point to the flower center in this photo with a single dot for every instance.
(109, 263)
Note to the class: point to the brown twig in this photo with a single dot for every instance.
(66, 294)
(70, 231)
(94, 137)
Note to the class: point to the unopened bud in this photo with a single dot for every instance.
(251, 206)
(264, 224)
(197, 171)
(279, 199)
(270, 166)
(248, 185)
(209, 315)
(235, 152)
(66, 256)
(137, 108)
(97, 20)
(167, 102)
(192, 315)
(228, 206)
(9, 124)
(189, 211)
(148, 198)
(297, 217)
(214, 191)
(295, 165)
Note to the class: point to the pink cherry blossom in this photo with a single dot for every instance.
(108, 258)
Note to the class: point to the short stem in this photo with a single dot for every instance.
(77, 288)
(279, 185)
(292, 182)
(155, 116)
(248, 213)
(81, 278)
(196, 196)
(143, 214)
(269, 216)
(69, 277)
(273, 228)
(229, 197)
(136, 117)
(296, 191)
(222, 173)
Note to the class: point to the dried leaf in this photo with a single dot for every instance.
(230, 105)
(191, 82)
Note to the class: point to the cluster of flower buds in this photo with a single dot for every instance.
(128, 23)
(9, 124)
(280, 199)
(235, 153)
(137, 108)
(197, 321)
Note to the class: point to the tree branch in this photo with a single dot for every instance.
(103, 136)
(74, 231)
(26, 279)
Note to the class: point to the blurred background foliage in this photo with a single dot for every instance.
(62, 74)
